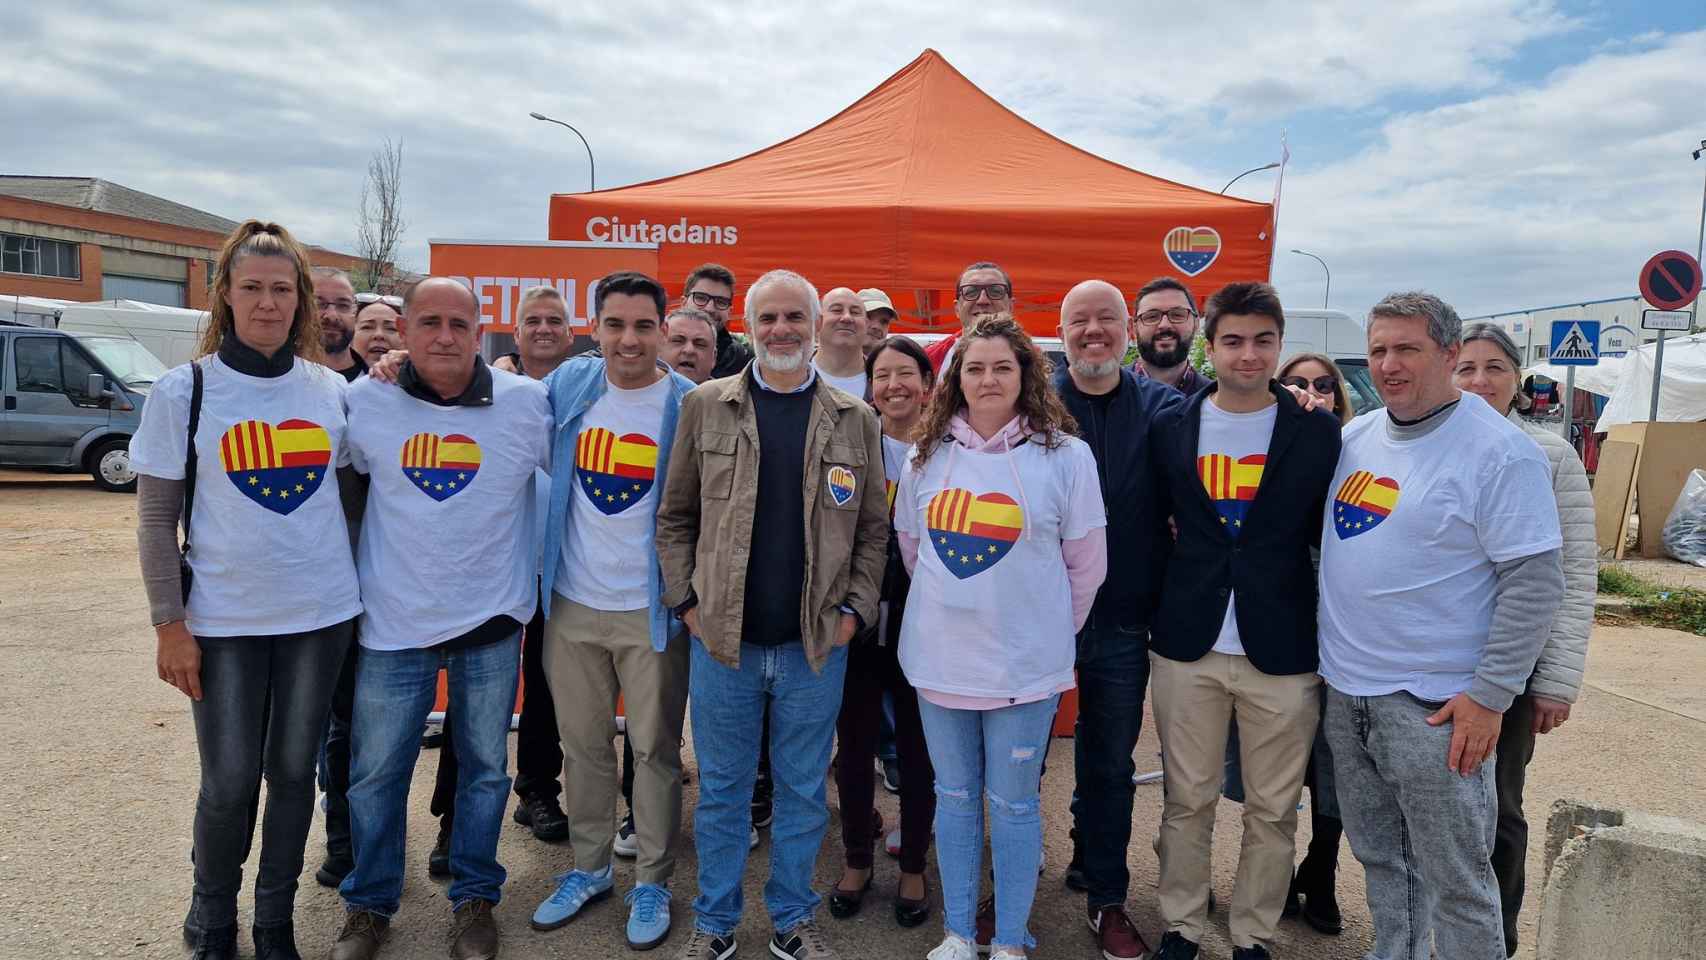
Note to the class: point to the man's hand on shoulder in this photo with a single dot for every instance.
(386, 368)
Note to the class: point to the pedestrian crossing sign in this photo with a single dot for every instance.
(1575, 343)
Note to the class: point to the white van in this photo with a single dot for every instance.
(1336, 334)
(170, 333)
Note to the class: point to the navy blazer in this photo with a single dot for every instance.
(1267, 566)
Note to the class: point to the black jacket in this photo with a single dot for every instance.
(1137, 529)
(1266, 567)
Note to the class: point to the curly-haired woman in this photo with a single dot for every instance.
(1008, 503)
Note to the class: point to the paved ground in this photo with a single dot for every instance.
(98, 779)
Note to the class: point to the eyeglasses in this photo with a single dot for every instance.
(390, 301)
(702, 299)
(1323, 384)
(1179, 316)
(995, 291)
(339, 305)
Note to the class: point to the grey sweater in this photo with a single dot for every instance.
(1526, 599)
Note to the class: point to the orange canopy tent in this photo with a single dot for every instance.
(920, 177)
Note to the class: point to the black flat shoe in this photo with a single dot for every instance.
(1321, 905)
(911, 913)
(219, 943)
(276, 942)
(843, 904)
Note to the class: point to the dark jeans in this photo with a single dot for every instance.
(538, 753)
(1113, 670)
(872, 671)
(334, 757)
(262, 713)
(1510, 842)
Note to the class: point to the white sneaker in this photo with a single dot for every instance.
(627, 844)
(752, 844)
(953, 948)
(891, 843)
(1005, 954)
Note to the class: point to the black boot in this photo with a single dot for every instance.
(276, 942)
(1075, 878)
(218, 943)
(1317, 876)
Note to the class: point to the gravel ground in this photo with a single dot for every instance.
(98, 783)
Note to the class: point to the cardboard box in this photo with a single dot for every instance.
(1668, 451)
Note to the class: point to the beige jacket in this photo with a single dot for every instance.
(704, 521)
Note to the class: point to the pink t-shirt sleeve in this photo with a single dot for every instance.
(908, 551)
(1086, 567)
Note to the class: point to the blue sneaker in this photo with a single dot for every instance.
(648, 916)
(575, 889)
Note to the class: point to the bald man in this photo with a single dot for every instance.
(1114, 410)
(448, 576)
(840, 356)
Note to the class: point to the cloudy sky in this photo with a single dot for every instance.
(1504, 153)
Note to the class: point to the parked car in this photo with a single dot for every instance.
(72, 401)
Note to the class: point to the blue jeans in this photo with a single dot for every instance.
(394, 691)
(1113, 669)
(728, 713)
(1424, 835)
(998, 753)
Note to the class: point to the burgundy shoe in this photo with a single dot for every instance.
(985, 924)
(1116, 936)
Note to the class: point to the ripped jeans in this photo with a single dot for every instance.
(999, 754)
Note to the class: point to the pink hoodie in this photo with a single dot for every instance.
(1086, 558)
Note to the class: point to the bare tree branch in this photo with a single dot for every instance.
(379, 229)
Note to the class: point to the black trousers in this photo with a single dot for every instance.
(262, 715)
(538, 752)
(1510, 841)
(873, 670)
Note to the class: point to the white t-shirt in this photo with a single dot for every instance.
(447, 539)
(1409, 544)
(1232, 450)
(269, 547)
(895, 453)
(854, 386)
(614, 509)
(989, 613)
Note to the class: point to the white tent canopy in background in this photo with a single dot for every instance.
(1682, 390)
(1601, 378)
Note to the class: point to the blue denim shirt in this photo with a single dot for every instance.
(575, 387)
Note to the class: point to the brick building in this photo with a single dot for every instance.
(81, 238)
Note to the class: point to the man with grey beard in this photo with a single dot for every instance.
(1114, 408)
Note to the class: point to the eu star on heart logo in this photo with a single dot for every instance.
(972, 533)
(1362, 503)
(1192, 249)
(615, 472)
(440, 466)
(278, 466)
(842, 485)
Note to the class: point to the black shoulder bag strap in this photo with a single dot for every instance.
(189, 476)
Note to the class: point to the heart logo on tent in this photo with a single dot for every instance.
(278, 466)
(1192, 249)
(972, 533)
(1362, 503)
(440, 467)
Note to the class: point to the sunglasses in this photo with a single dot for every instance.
(702, 299)
(396, 303)
(996, 291)
(1319, 384)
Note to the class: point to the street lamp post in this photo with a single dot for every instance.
(591, 166)
(1329, 290)
(1246, 173)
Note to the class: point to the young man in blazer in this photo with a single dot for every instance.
(1245, 472)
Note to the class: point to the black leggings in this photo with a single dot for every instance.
(262, 712)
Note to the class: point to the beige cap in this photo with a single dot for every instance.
(875, 299)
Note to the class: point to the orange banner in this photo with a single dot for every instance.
(498, 272)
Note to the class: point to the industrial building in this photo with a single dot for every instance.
(1619, 324)
(86, 239)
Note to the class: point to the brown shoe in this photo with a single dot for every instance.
(361, 936)
(474, 935)
(1115, 934)
(985, 925)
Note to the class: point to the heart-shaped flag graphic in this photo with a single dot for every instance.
(440, 467)
(615, 472)
(278, 466)
(1363, 501)
(972, 533)
(1192, 249)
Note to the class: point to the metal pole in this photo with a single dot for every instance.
(591, 165)
(1658, 364)
(1328, 291)
(1569, 401)
(1699, 244)
(1246, 173)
